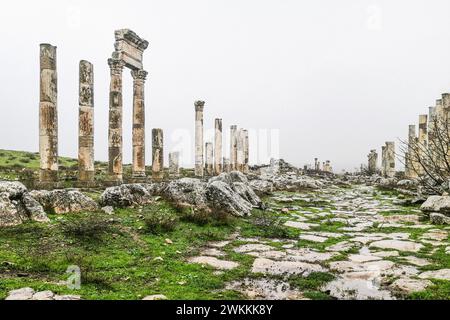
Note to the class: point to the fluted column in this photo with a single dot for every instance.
(218, 146)
(86, 123)
(48, 115)
(115, 139)
(199, 106)
(138, 168)
(233, 148)
(157, 154)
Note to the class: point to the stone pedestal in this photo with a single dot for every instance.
(48, 116)
(86, 123)
(115, 139)
(233, 147)
(138, 167)
(218, 146)
(199, 106)
(209, 154)
(174, 164)
(157, 154)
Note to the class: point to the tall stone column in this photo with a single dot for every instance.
(174, 164)
(218, 146)
(209, 155)
(423, 142)
(233, 148)
(199, 106)
(115, 139)
(372, 165)
(240, 150)
(246, 153)
(157, 154)
(48, 115)
(138, 168)
(316, 164)
(86, 123)
(383, 161)
(411, 162)
(226, 165)
(432, 141)
(390, 159)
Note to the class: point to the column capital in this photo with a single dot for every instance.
(139, 75)
(199, 105)
(116, 66)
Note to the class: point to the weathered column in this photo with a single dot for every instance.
(157, 154)
(86, 123)
(240, 150)
(218, 146)
(226, 165)
(246, 152)
(431, 134)
(423, 143)
(199, 106)
(446, 121)
(383, 161)
(48, 115)
(372, 165)
(316, 164)
(138, 167)
(209, 155)
(411, 155)
(233, 148)
(115, 121)
(174, 164)
(390, 159)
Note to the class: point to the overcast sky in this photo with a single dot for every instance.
(336, 78)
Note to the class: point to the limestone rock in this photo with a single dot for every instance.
(127, 195)
(397, 245)
(187, 192)
(267, 266)
(223, 198)
(261, 187)
(214, 262)
(439, 218)
(443, 274)
(16, 205)
(155, 297)
(439, 204)
(408, 285)
(64, 201)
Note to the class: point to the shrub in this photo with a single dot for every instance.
(157, 220)
(270, 226)
(89, 228)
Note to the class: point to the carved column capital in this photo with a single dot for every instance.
(199, 105)
(116, 66)
(139, 75)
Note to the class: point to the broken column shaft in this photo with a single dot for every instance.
(157, 154)
(86, 123)
(199, 106)
(390, 159)
(218, 146)
(240, 150)
(246, 168)
(48, 115)
(209, 155)
(233, 148)
(174, 164)
(372, 165)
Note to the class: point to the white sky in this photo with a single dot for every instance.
(337, 78)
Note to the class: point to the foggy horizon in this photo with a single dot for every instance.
(334, 80)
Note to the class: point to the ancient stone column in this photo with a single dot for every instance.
(233, 148)
(390, 159)
(86, 123)
(383, 161)
(433, 144)
(411, 165)
(246, 153)
(218, 146)
(423, 143)
(240, 150)
(115, 121)
(226, 165)
(209, 155)
(316, 164)
(372, 165)
(48, 115)
(199, 106)
(157, 154)
(174, 164)
(138, 167)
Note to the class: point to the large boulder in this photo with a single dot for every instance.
(439, 218)
(129, 195)
(439, 204)
(261, 187)
(187, 192)
(223, 199)
(64, 201)
(17, 206)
